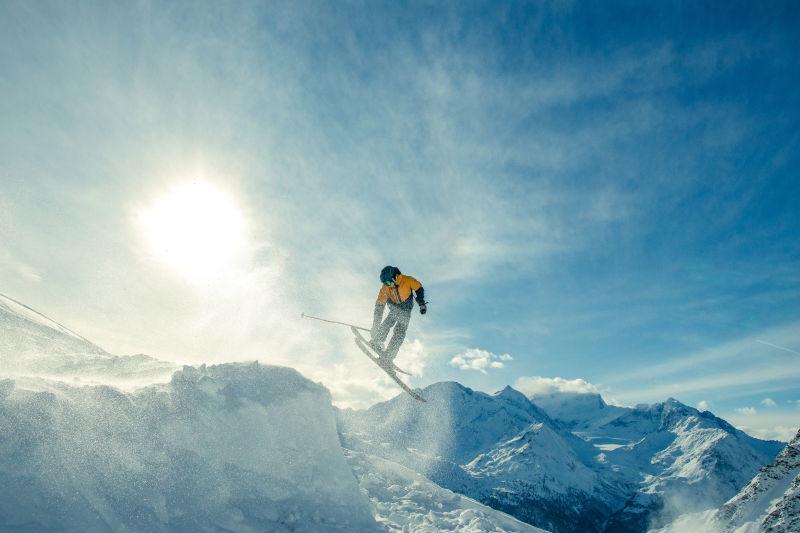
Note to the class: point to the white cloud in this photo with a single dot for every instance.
(768, 402)
(538, 385)
(412, 357)
(746, 410)
(703, 405)
(782, 433)
(480, 360)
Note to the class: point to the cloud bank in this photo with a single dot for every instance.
(540, 386)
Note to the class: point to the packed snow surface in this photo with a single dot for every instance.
(236, 447)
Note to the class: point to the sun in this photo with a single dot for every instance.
(196, 229)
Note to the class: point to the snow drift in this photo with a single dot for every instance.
(239, 447)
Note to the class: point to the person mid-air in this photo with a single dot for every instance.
(396, 292)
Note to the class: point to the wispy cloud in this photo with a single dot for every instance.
(768, 402)
(746, 410)
(703, 405)
(738, 349)
(785, 349)
(775, 377)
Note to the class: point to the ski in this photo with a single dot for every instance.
(394, 368)
(355, 330)
(363, 346)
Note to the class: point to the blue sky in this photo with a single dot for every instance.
(604, 192)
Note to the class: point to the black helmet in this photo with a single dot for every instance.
(388, 274)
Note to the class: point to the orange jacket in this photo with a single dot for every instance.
(400, 291)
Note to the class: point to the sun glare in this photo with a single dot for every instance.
(196, 229)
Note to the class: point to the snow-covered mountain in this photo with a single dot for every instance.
(407, 501)
(33, 345)
(576, 463)
(676, 458)
(500, 449)
(769, 503)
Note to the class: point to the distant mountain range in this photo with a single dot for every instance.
(563, 462)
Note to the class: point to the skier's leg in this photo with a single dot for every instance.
(383, 330)
(399, 334)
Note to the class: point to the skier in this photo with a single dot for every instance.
(396, 291)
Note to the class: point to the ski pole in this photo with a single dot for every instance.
(303, 315)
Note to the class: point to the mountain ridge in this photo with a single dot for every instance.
(620, 468)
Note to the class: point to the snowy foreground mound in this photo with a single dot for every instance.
(770, 502)
(239, 447)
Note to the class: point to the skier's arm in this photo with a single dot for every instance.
(419, 290)
(420, 295)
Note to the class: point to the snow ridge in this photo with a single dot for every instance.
(12, 308)
(32, 345)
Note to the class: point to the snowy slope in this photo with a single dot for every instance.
(407, 501)
(674, 458)
(499, 449)
(26, 331)
(231, 447)
(770, 502)
(772, 499)
(33, 345)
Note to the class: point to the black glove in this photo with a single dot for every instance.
(423, 305)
